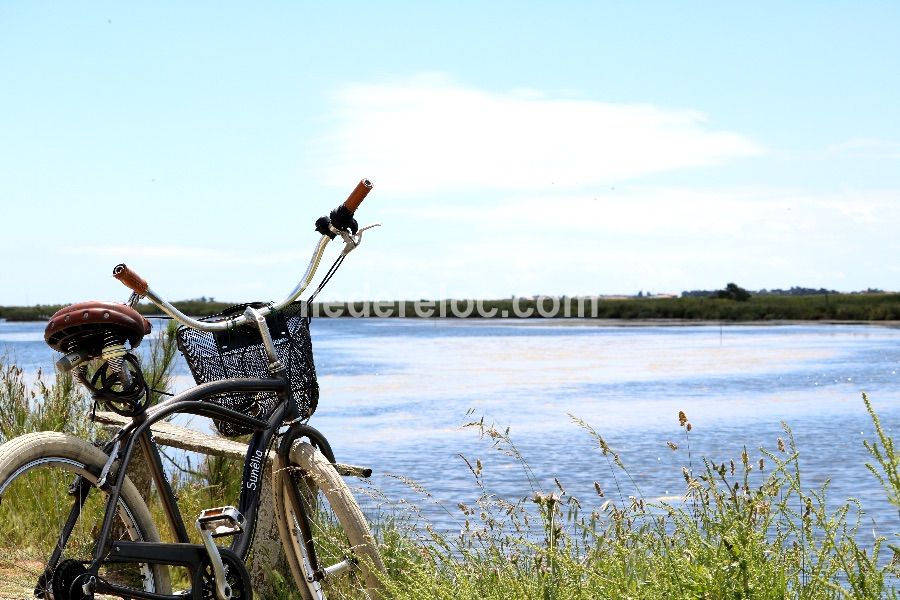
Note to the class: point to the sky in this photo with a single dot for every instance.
(517, 148)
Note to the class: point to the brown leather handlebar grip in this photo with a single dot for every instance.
(131, 279)
(358, 195)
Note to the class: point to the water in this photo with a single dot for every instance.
(394, 394)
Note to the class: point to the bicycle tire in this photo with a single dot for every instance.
(36, 474)
(339, 528)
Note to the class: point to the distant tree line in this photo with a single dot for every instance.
(793, 291)
(732, 303)
(830, 307)
(199, 307)
(732, 291)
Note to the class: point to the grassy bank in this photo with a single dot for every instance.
(840, 307)
(746, 528)
(836, 307)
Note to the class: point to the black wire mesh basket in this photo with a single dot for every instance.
(239, 353)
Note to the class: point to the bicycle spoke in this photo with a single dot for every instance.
(36, 506)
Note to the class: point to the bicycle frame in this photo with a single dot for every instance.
(137, 434)
(121, 448)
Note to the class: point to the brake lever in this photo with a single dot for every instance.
(351, 241)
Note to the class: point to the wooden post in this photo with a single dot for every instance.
(267, 555)
(139, 473)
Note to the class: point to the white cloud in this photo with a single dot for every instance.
(429, 134)
(866, 148)
(663, 239)
(642, 237)
(637, 211)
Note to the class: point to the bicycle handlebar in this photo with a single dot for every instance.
(139, 285)
(358, 195)
(130, 279)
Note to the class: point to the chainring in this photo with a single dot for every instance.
(66, 584)
(236, 576)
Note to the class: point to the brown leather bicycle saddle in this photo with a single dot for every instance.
(88, 323)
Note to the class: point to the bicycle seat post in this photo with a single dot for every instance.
(257, 318)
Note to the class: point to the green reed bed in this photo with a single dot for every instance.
(748, 528)
(824, 307)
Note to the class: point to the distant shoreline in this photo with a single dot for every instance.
(637, 323)
(883, 308)
(588, 322)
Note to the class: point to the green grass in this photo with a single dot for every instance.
(59, 405)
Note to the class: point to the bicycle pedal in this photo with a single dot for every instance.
(221, 521)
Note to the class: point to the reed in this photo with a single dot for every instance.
(747, 528)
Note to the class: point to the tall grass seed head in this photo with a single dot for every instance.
(559, 485)
(545, 499)
(682, 418)
(604, 447)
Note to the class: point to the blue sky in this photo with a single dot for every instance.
(516, 147)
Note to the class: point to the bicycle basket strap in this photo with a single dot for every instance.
(239, 353)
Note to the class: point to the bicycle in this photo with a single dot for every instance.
(255, 374)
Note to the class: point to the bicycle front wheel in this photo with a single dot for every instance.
(335, 532)
(37, 496)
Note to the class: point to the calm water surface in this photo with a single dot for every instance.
(394, 394)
